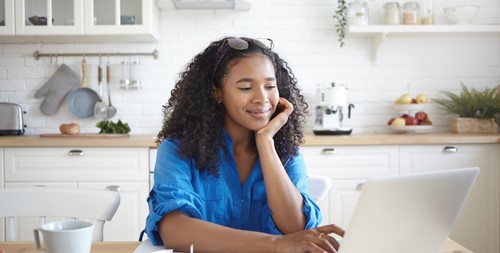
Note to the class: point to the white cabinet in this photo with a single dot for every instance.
(1, 167)
(49, 17)
(7, 25)
(94, 168)
(121, 17)
(348, 167)
(2, 227)
(80, 20)
(478, 225)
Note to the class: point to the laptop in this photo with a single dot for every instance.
(410, 213)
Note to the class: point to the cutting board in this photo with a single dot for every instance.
(84, 135)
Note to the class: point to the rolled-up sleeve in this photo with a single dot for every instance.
(171, 191)
(296, 170)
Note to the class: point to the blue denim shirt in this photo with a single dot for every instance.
(179, 185)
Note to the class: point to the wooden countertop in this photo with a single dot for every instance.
(397, 139)
(310, 140)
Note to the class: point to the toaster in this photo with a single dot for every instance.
(11, 119)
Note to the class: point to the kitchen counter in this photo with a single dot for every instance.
(310, 140)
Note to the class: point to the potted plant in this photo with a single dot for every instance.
(478, 111)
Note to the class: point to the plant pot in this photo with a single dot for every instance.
(473, 125)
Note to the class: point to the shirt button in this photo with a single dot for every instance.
(241, 200)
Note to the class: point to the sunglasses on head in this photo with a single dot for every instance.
(239, 44)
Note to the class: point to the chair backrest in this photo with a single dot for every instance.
(98, 206)
(318, 186)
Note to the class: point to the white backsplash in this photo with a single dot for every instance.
(304, 35)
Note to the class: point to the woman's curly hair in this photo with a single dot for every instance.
(196, 119)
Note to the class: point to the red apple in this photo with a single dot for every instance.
(390, 121)
(404, 116)
(411, 121)
(421, 116)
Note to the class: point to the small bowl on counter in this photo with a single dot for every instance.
(461, 15)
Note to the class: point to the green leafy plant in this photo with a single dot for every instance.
(341, 18)
(472, 103)
(109, 127)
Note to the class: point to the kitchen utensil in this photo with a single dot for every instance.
(110, 109)
(81, 101)
(11, 122)
(100, 106)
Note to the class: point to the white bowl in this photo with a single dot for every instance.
(461, 14)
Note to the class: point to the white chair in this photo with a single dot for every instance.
(97, 206)
(318, 187)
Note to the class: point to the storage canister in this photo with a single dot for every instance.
(358, 13)
(428, 12)
(411, 13)
(392, 13)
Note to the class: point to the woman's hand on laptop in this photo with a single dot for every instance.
(312, 240)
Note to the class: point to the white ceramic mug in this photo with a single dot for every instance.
(65, 236)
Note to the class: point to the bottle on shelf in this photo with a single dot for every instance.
(358, 13)
(411, 13)
(392, 14)
(428, 12)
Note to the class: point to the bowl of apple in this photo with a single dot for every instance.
(419, 122)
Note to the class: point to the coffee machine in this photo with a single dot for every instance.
(332, 104)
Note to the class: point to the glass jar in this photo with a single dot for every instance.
(411, 13)
(358, 13)
(428, 12)
(392, 15)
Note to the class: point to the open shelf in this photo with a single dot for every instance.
(240, 5)
(380, 32)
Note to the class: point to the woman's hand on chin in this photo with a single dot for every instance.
(276, 123)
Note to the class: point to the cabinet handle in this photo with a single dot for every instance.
(328, 151)
(115, 188)
(450, 149)
(76, 152)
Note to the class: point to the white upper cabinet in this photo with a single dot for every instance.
(121, 17)
(7, 17)
(49, 17)
(79, 20)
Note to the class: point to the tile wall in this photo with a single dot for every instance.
(304, 35)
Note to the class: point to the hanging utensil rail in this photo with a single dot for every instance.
(39, 54)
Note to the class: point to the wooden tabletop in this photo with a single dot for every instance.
(97, 247)
(129, 247)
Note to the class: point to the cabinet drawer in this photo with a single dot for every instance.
(351, 162)
(76, 164)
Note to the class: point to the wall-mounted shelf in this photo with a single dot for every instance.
(240, 5)
(380, 32)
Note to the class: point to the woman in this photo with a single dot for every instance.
(229, 177)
